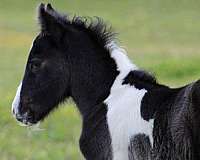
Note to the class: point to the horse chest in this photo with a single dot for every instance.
(124, 119)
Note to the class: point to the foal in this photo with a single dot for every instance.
(118, 103)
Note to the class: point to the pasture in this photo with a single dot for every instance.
(160, 36)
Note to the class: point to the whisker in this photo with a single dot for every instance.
(35, 127)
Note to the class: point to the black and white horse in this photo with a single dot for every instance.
(126, 114)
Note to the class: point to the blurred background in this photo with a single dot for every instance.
(160, 36)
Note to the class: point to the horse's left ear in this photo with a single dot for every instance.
(49, 22)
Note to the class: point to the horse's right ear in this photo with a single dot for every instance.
(42, 15)
(49, 21)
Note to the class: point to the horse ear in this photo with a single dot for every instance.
(49, 7)
(48, 21)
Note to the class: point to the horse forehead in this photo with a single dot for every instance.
(39, 47)
(41, 41)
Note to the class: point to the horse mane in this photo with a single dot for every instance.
(95, 27)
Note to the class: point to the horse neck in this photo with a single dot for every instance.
(99, 76)
(91, 95)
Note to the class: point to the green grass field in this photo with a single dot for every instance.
(160, 36)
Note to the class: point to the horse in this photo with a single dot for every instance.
(126, 114)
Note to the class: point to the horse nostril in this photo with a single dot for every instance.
(19, 117)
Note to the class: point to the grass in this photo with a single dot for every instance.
(160, 36)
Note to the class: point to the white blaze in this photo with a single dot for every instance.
(16, 101)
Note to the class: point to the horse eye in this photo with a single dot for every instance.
(35, 65)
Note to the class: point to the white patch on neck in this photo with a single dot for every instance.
(124, 103)
(16, 101)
